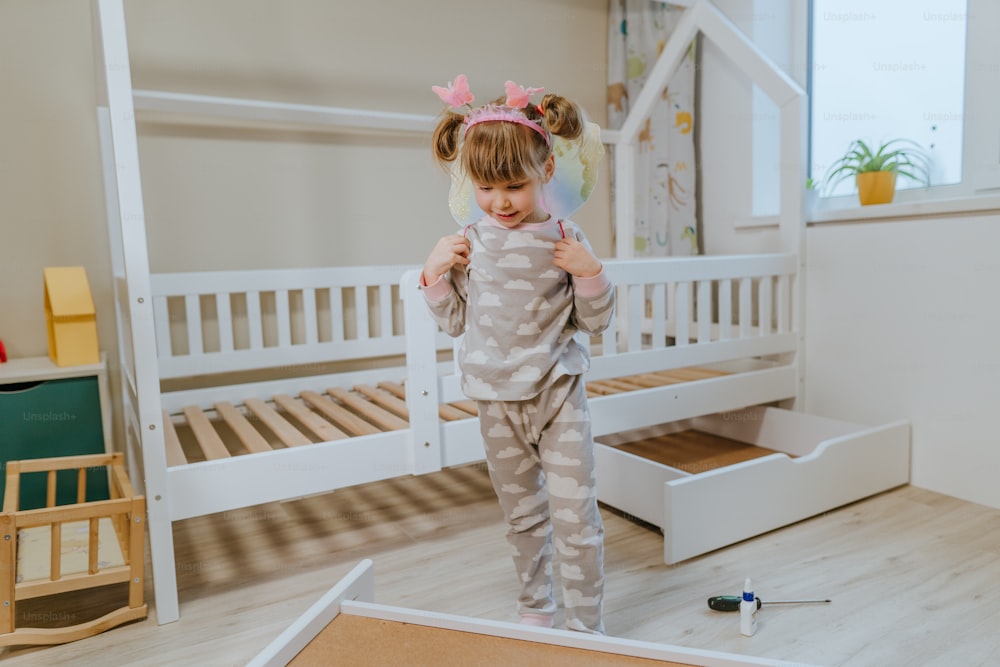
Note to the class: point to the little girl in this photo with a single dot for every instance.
(519, 282)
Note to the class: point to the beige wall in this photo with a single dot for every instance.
(252, 198)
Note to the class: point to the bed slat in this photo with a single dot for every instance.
(336, 314)
(323, 429)
(659, 315)
(725, 309)
(378, 416)
(344, 418)
(361, 308)
(225, 316)
(385, 310)
(683, 314)
(208, 440)
(636, 296)
(282, 317)
(287, 433)
(254, 323)
(704, 311)
(784, 300)
(764, 301)
(309, 315)
(172, 444)
(383, 399)
(242, 427)
(192, 312)
(467, 406)
(645, 381)
(162, 314)
(746, 313)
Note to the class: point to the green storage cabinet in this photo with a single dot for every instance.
(56, 417)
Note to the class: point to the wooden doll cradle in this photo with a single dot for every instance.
(61, 548)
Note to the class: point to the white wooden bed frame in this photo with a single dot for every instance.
(740, 314)
(354, 595)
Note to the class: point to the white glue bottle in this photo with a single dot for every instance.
(748, 610)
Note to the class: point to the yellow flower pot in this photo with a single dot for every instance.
(876, 187)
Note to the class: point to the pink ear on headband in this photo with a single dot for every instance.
(517, 96)
(456, 94)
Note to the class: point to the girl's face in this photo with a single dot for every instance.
(514, 202)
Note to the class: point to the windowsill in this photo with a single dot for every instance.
(904, 209)
(846, 209)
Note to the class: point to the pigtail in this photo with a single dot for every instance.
(562, 116)
(445, 141)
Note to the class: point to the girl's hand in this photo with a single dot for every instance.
(448, 251)
(576, 259)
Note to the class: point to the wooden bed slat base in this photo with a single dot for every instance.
(340, 415)
(377, 415)
(693, 451)
(649, 380)
(287, 433)
(384, 399)
(366, 409)
(172, 444)
(208, 440)
(323, 429)
(242, 427)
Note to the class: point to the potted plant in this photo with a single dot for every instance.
(875, 168)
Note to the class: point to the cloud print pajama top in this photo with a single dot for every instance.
(521, 362)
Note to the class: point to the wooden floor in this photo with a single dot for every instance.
(912, 576)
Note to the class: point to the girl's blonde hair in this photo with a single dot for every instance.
(503, 152)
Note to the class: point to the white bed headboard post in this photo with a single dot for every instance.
(794, 161)
(422, 391)
(140, 383)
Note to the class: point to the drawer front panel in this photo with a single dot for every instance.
(52, 418)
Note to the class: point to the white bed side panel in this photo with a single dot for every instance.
(727, 505)
(462, 442)
(636, 409)
(242, 481)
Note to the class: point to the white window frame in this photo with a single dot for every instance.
(980, 185)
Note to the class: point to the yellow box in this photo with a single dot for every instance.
(70, 317)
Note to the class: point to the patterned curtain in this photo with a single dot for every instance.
(666, 222)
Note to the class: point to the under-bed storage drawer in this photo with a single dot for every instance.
(712, 481)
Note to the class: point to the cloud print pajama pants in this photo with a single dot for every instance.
(540, 454)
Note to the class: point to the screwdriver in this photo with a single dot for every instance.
(732, 602)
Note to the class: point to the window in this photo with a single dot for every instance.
(960, 124)
(887, 69)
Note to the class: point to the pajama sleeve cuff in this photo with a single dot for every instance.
(593, 286)
(436, 291)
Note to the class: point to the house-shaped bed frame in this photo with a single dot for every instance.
(697, 343)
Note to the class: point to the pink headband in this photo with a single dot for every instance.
(506, 114)
(457, 95)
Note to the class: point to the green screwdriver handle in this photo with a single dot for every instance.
(732, 602)
(728, 602)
